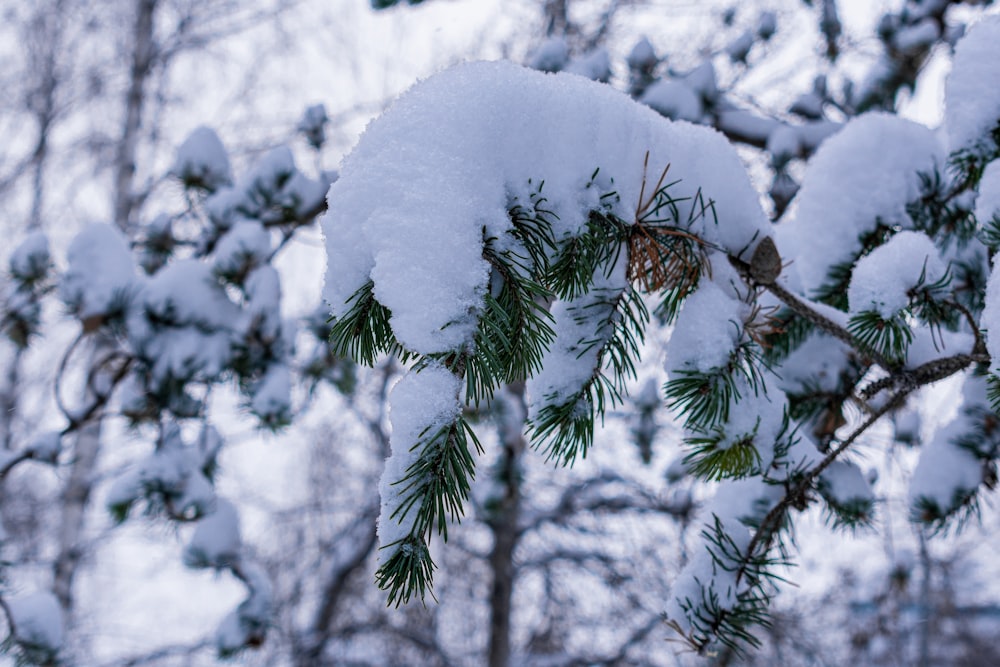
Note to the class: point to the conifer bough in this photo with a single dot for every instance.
(499, 225)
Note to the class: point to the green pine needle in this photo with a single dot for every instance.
(889, 338)
(363, 333)
(408, 572)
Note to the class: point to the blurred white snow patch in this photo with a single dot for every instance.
(988, 199)
(202, 160)
(846, 484)
(972, 102)
(216, 540)
(38, 624)
(707, 331)
(945, 473)
(674, 99)
(46, 447)
(272, 395)
(100, 275)
(31, 258)
(990, 319)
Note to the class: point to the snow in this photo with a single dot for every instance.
(313, 125)
(784, 143)
(595, 66)
(172, 475)
(882, 280)
(703, 81)
(945, 472)
(972, 106)
(202, 159)
(245, 246)
(846, 484)
(739, 48)
(815, 365)
(863, 175)
(734, 502)
(990, 320)
(272, 395)
(46, 447)
(216, 540)
(183, 326)
(100, 274)
(550, 56)
(767, 24)
(708, 329)
(38, 621)
(30, 260)
(642, 55)
(248, 622)
(420, 404)
(988, 199)
(581, 331)
(674, 99)
(186, 293)
(809, 105)
(263, 309)
(928, 345)
(914, 38)
(444, 161)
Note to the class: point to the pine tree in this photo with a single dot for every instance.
(549, 261)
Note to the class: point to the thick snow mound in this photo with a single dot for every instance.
(863, 175)
(971, 96)
(440, 168)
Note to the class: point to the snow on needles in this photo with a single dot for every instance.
(861, 177)
(972, 103)
(443, 164)
(100, 274)
(420, 404)
(436, 176)
(882, 280)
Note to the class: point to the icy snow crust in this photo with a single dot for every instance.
(446, 160)
(863, 175)
(972, 103)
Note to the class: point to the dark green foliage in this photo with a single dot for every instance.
(408, 572)
(711, 620)
(438, 482)
(571, 273)
(927, 511)
(704, 399)
(515, 329)
(889, 338)
(787, 333)
(363, 333)
(565, 430)
(435, 487)
(940, 214)
(710, 461)
(833, 292)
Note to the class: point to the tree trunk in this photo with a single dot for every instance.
(504, 523)
(76, 494)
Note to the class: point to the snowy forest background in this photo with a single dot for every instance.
(189, 471)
